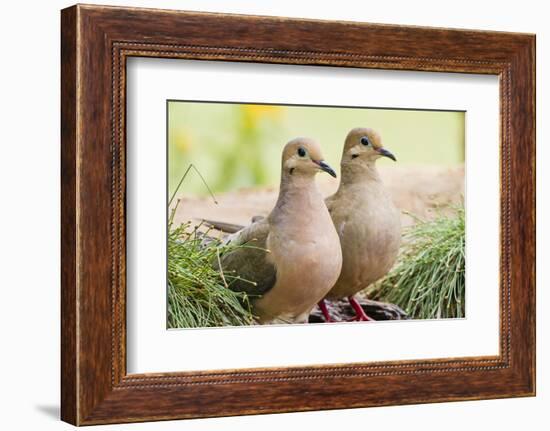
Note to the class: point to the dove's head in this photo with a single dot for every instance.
(363, 146)
(302, 156)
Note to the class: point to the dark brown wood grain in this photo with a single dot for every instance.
(95, 43)
(68, 217)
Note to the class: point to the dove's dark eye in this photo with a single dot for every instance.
(365, 141)
(301, 152)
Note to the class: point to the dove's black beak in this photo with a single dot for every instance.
(386, 153)
(324, 166)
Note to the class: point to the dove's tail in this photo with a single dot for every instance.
(228, 227)
(222, 226)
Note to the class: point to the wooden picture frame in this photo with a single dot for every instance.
(95, 43)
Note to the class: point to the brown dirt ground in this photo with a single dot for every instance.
(415, 190)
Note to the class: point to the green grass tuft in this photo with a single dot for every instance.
(428, 281)
(199, 295)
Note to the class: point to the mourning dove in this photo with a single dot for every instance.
(292, 256)
(367, 221)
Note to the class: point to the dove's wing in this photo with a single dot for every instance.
(250, 260)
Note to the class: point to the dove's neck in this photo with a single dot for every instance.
(296, 183)
(364, 173)
(298, 195)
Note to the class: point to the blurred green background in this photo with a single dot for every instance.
(239, 145)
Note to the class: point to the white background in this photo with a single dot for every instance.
(29, 228)
(151, 348)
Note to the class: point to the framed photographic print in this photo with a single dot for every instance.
(288, 207)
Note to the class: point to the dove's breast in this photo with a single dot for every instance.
(369, 227)
(308, 259)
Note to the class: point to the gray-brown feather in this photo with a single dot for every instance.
(250, 260)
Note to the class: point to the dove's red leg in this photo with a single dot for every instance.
(323, 306)
(360, 315)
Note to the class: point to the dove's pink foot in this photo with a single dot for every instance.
(360, 315)
(323, 306)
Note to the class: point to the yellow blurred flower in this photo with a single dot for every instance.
(182, 140)
(254, 113)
